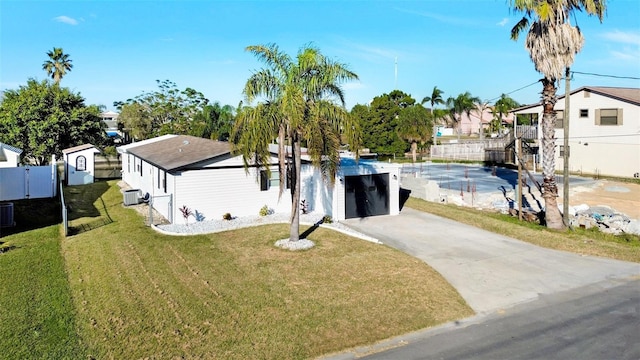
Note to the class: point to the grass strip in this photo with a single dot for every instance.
(37, 317)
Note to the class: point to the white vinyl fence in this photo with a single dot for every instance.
(28, 182)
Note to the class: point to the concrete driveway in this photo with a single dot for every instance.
(490, 271)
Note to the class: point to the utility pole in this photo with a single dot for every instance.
(565, 158)
(519, 197)
(395, 80)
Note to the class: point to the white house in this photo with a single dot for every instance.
(79, 164)
(9, 156)
(604, 131)
(203, 175)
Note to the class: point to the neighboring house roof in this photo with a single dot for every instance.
(78, 148)
(629, 95)
(111, 124)
(180, 151)
(125, 148)
(109, 114)
(4, 146)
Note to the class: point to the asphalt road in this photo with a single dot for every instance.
(585, 323)
(532, 302)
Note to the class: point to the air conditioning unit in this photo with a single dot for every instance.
(6, 215)
(131, 197)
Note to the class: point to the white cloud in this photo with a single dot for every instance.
(353, 86)
(630, 48)
(66, 20)
(452, 20)
(503, 22)
(628, 37)
(366, 52)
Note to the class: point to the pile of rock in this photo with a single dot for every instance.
(604, 218)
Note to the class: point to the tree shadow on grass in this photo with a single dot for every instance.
(31, 214)
(86, 207)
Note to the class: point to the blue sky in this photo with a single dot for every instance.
(119, 48)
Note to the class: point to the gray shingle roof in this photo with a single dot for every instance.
(181, 151)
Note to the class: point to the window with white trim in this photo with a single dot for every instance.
(81, 163)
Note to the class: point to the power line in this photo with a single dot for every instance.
(511, 92)
(609, 76)
(601, 136)
(572, 72)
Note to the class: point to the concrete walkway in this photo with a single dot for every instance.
(490, 271)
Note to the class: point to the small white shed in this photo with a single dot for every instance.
(79, 164)
(9, 156)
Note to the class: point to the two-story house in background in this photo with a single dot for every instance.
(604, 131)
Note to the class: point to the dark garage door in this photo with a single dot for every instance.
(366, 195)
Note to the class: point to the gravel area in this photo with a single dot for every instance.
(213, 226)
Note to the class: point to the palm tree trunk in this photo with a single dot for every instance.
(282, 159)
(553, 218)
(414, 146)
(294, 230)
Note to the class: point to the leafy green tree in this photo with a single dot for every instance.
(380, 119)
(415, 125)
(214, 122)
(552, 43)
(461, 104)
(299, 107)
(58, 64)
(42, 119)
(165, 111)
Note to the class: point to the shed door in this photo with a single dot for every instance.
(366, 195)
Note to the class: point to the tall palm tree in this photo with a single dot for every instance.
(58, 64)
(552, 43)
(502, 107)
(434, 99)
(414, 124)
(303, 103)
(461, 104)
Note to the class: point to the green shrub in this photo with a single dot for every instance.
(226, 216)
(327, 219)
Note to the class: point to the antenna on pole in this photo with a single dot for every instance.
(395, 84)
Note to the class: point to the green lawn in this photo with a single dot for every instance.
(133, 293)
(37, 317)
(117, 289)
